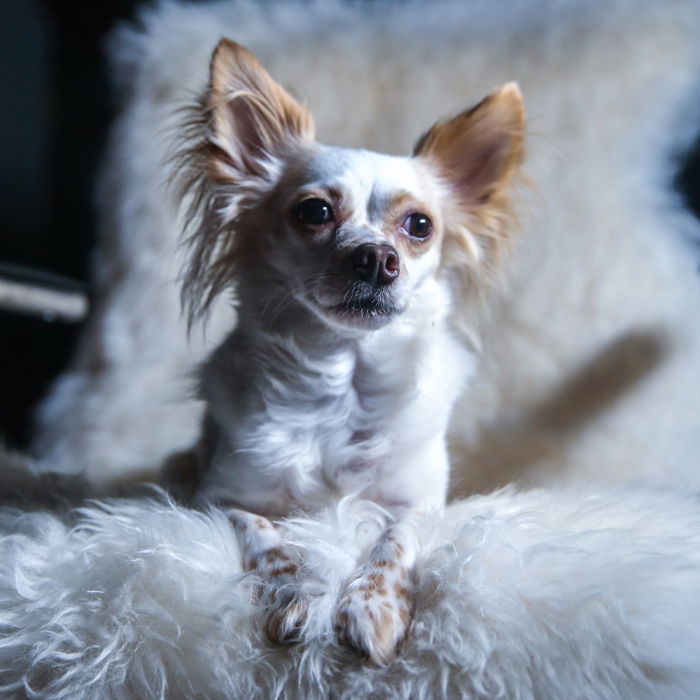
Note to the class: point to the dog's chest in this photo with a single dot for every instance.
(331, 431)
(312, 430)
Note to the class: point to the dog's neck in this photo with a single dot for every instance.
(349, 396)
(291, 346)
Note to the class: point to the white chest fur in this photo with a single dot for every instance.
(300, 423)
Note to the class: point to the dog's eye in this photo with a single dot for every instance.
(313, 212)
(418, 225)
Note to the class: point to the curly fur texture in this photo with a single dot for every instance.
(571, 593)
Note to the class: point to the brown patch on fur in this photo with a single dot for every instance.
(376, 578)
(290, 569)
(385, 564)
(402, 593)
(242, 120)
(376, 583)
(275, 555)
(250, 564)
(284, 623)
(403, 204)
(478, 153)
(262, 523)
(480, 149)
(399, 208)
(372, 591)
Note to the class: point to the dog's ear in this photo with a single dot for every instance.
(229, 150)
(253, 120)
(478, 151)
(476, 154)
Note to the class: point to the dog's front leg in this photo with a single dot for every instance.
(264, 552)
(376, 607)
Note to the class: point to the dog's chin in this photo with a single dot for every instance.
(363, 317)
(358, 315)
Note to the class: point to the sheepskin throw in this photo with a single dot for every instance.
(559, 594)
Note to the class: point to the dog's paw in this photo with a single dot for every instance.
(373, 617)
(286, 616)
(286, 606)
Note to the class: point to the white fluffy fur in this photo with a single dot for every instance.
(604, 275)
(533, 595)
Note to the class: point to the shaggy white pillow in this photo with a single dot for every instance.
(590, 355)
(542, 595)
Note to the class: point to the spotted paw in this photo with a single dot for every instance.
(373, 617)
(286, 617)
(286, 607)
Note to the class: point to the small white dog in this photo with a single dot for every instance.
(351, 271)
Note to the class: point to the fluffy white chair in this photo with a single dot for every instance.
(589, 376)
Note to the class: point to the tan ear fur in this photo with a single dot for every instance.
(479, 150)
(478, 153)
(228, 152)
(252, 117)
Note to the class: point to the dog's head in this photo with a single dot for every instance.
(352, 235)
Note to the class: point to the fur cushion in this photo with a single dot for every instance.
(590, 352)
(568, 593)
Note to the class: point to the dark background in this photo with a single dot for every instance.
(56, 110)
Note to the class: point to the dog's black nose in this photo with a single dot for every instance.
(376, 264)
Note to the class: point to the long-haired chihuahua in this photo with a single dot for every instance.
(351, 271)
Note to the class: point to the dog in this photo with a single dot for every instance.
(352, 274)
